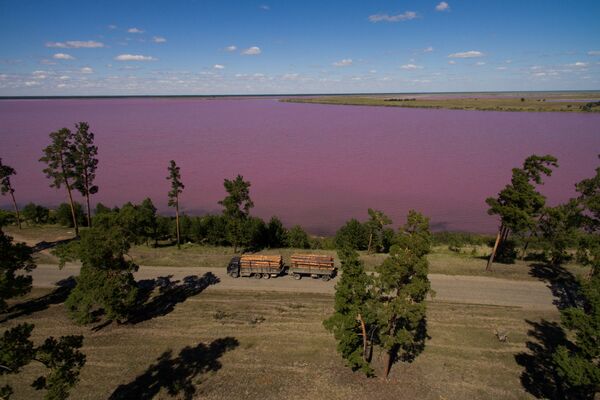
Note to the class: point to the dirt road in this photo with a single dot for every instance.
(455, 289)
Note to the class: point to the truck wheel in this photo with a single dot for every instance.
(257, 276)
(266, 276)
(297, 276)
(325, 278)
(235, 275)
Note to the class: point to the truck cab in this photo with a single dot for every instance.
(233, 268)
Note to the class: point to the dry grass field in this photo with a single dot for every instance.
(531, 102)
(266, 345)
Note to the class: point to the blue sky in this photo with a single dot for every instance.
(245, 47)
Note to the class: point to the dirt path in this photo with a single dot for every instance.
(456, 289)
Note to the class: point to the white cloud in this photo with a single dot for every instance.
(134, 57)
(264, 7)
(64, 77)
(480, 63)
(442, 6)
(86, 70)
(231, 48)
(63, 56)
(579, 64)
(135, 30)
(218, 66)
(112, 27)
(31, 83)
(343, 63)
(405, 16)
(411, 66)
(252, 51)
(428, 49)
(466, 54)
(159, 39)
(594, 53)
(76, 44)
(290, 77)
(451, 62)
(501, 68)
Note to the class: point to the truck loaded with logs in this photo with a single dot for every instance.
(268, 266)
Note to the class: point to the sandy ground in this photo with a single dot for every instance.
(455, 289)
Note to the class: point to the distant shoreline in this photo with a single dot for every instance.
(509, 93)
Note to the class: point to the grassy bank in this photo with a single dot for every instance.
(529, 103)
(233, 344)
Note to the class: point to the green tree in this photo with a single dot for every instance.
(559, 228)
(85, 164)
(375, 226)
(351, 320)
(519, 204)
(63, 215)
(176, 189)
(236, 208)
(59, 157)
(298, 238)
(6, 172)
(61, 357)
(15, 258)
(589, 198)
(105, 282)
(353, 234)
(35, 214)
(401, 289)
(277, 235)
(578, 365)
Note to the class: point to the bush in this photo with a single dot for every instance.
(298, 238)
(35, 214)
(62, 215)
(353, 235)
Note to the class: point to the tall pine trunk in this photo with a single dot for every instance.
(12, 194)
(177, 221)
(64, 171)
(89, 218)
(496, 244)
(370, 241)
(363, 328)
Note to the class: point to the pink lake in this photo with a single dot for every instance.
(309, 164)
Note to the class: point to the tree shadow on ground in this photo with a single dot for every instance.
(540, 377)
(176, 375)
(57, 296)
(564, 285)
(43, 245)
(170, 294)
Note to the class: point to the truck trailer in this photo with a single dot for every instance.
(313, 265)
(257, 266)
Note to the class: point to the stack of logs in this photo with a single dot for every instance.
(260, 261)
(312, 261)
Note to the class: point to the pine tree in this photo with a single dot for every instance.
(578, 365)
(84, 155)
(6, 172)
(61, 357)
(401, 289)
(236, 209)
(106, 278)
(59, 156)
(176, 189)
(589, 198)
(519, 204)
(375, 225)
(351, 320)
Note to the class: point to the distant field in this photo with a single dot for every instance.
(441, 261)
(571, 102)
(266, 345)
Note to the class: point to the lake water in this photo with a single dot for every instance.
(314, 165)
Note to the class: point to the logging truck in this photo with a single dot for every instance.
(257, 266)
(268, 266)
